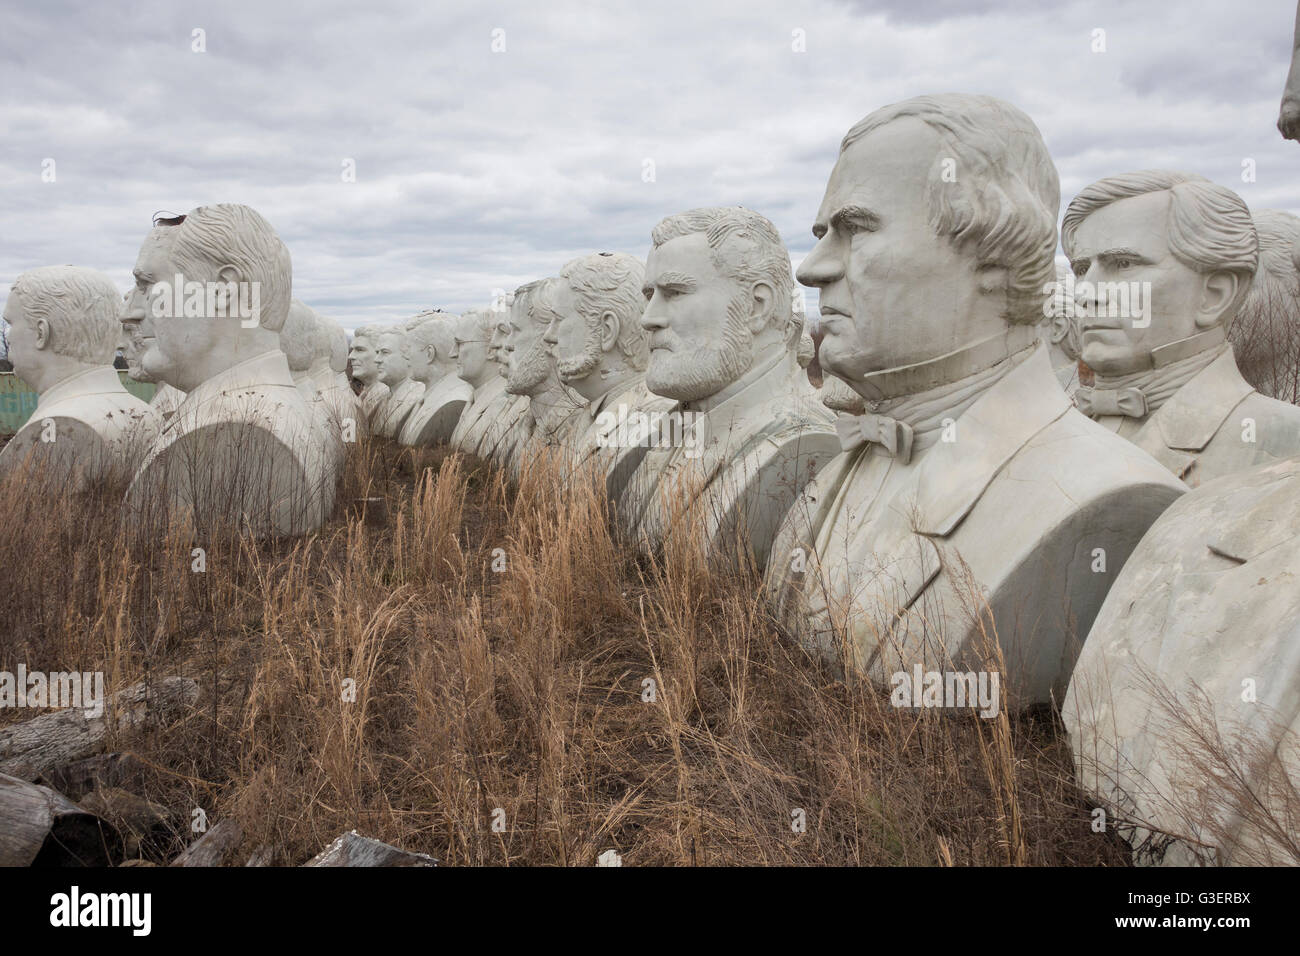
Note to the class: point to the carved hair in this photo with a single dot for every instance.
(611, 282)
(526, 297)
(81, 307)
(477, 321)
(1209, 226)
(1266, 332)
(230, 234)
(1002, 195)
(433, 329)
(746, 247)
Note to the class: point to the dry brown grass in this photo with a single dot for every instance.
(519, 691)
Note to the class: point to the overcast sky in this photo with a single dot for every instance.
(478, 170)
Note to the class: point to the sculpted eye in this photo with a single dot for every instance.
(1080, 269)
(1123, 263)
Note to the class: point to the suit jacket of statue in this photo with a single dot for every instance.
(244, 446)
(488, 419)
(328, 394)
(1206, 608)
(740, 463)
(1026, 514)
(1215, 425)
(373, 397)
(434, 421)
(86, 429)
(391, 415)
(543, 431)
(606, 435)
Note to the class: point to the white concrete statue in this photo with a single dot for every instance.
(1265, 335)
(432, 341)
(63, 332)
(393, 364)
(361, 354)
(747, 430)
(491, 413)
(243, 448)
(1184, 708)
(135, 339)
(971, 496)
(1162, 262)
(530, 371)
(593, 314)
(316, 349)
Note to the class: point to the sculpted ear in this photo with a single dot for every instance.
(609, 329)
(762, 301)
(42, 334)
(1218, 294)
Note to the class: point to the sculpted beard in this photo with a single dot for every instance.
(531, 372)
(572, 370)
(691, 375)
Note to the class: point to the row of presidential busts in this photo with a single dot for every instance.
(958, 514)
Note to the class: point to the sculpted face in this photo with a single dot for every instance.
(362, 354)
(500, 330)
(26, 341)
(527, 363)
(699, 342)
(165, 344)
(391, 365)
(471, 355)
(424, 363)
(571, 340)
(892, 292)
(1128, 241)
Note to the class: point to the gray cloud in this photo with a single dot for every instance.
(478, 170)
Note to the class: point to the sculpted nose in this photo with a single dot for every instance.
(132, 309)
(653, 318)
(822, 266)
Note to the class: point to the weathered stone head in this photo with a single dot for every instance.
(593, 322)
(529, 367)
(937, 231)
(392, 358)
(473, 331)
(362, 354)
(62, 321)
(1158, 257)
(717, 288)
(431, 339)
(1265, 335)
(298, 337)
(216, 286)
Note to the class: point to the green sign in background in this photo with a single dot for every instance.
(18, 399)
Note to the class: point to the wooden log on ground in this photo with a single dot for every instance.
(217, 847)
(352, 849)
(39, 827)
(37, 746)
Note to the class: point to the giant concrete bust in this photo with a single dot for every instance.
(362, 353)
(393, 365)
(1265, 335)
(1185, 704)
(1166, 377)
(243, 448)
(432, 339)
(316, 348)
(593, 330)
(491, 413)
(724, 347)
(971, 499)
(63, 333)
(530, 371)
(1060, 330)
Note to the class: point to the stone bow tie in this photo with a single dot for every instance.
(1095, 402)
(891, 434)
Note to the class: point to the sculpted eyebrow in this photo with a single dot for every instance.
(677, 279)
(855, 215)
